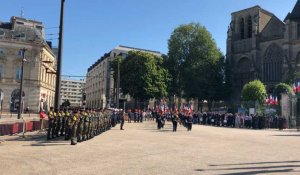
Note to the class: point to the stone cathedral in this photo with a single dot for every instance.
(261, 46)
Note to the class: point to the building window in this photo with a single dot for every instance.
(1, 71)
(272, 66)
(242, 28)
(249, 26)
(1, 51)
(18, 73)
(298, 30)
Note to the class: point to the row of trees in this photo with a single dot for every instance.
(193, 68)
(256, 91)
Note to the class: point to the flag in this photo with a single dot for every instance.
(267, 100)
(276, 101)
(294, 88)
(298, 87)
(191, 109)
(271, 100)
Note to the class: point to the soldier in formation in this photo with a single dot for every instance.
(81, 125)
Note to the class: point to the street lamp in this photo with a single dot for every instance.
(118, 86)
(20, 110)
(59, 59)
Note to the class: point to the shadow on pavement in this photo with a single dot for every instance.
(255, 163)
(260, 172)
(287, 135)
(253, 170)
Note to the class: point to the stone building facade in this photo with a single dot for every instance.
(261, 46)
(39, 67)
(100, 87)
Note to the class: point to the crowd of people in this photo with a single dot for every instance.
(239, 120)
(82, 124)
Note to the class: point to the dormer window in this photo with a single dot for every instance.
(242, 28)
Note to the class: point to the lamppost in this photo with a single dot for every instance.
(59, 59)
(118, 86)
(20, 110)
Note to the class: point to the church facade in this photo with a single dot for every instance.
(261, 46)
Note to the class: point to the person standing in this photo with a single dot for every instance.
(50, 131)
(74, 123)
(175, 119)
(122, 115)
(189, 122)
(68, 123)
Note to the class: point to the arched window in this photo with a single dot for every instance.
(14, 100)
(242, 28)
(272, 66)
(249, 27)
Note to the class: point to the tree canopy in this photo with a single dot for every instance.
(282, 88)
(254, 91)
(143, 76)
(195, 63)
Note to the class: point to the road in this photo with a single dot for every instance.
(142, 149)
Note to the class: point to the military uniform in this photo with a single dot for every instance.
(175, 120)
(68, 125)
(50, 131)
(74, 124)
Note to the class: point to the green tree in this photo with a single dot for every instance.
(143, 76)
(254, 91)
(114, 66)
(66, 103)
(195, 63)
(282, 88)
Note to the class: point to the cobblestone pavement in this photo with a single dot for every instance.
(142, 149)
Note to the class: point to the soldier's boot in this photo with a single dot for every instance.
(73, 141)
(48, 134)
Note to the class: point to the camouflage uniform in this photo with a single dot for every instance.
(68, 125)
(50, 132)
(74, 123)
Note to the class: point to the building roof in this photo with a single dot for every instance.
(250, 8)
(122, 48)
(295, 14)
(22, 33)
(134, 48)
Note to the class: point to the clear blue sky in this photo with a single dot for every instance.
(94, 27)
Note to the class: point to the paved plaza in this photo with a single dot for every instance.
(142, 149)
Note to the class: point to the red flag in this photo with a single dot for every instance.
(298, 87)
